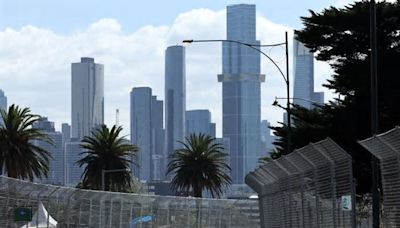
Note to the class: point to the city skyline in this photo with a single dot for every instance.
(149, 73)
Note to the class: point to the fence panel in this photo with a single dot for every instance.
(310, 188)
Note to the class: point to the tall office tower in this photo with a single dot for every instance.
(175, 97)
(66, 131)
(87, 96)
(199, 121)
(159, 158)
(3, 103)
(141, 101)
(72, 154)
(241, 80)
(56, 164)
(266, 139)
(66, 137)
(303, 63)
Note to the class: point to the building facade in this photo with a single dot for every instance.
(199, 121)
(3, 103)
(303, 64)
(73, 172)
(56, 164)
(159, 157)
(87, 96)
(175, 97)
(147, 133)
(141, 100)
(241, 101)
(267, 139)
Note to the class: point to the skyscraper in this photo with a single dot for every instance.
(199, 121)
(241, 80)
(87, 96)
(3, 103)
(158, 140)
(147, 133)
(266, 139)
(73, 172)
(175, 96)
(303, 63)
(141, 100)
(56, 164)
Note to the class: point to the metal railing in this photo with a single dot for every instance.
(386, 147)
(311, 187)
(72, 207)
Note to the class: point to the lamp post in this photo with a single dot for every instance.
(295, 98)
(374, 114)
(103, 173)
(284, 76)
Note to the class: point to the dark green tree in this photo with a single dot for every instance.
(340, 36)
(199, 165)
(19, 156)
(105, 149)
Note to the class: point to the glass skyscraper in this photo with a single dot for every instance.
(147, 133)
(141, 100)
(241, 80)
(199, 121)
(303, 64)
(87, 96)
(175, 97)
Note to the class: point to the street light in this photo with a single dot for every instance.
(275, 103)
(103, 173)
(374, 114)
(284, 76)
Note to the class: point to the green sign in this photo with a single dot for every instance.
(22, 214)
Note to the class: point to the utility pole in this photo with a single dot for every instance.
(374, 115)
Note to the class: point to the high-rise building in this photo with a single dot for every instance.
(303, 64)
(147, 133)
(56, 164)
(241, 80)
(87, 96)
(199, 121)
(3, 103)
(73, 172)
(66, 132)
(175, 97)
(141, 100)
(159, 158)
(267, 139)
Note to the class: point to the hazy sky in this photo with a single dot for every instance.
(39, 40)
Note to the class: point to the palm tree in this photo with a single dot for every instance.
(19, 156)
(106, 150)
(199, 165)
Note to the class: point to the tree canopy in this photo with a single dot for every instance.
(341, 37)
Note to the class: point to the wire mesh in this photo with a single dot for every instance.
(311, 187)
(386, 147)
(72, 207)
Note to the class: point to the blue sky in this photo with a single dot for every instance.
(70, 15)
(40, 39)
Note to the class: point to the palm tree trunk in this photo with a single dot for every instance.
(197, 192)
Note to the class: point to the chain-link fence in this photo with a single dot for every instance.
(386, 147)
(72, 207)
(311, 187)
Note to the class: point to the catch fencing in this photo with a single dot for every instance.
(386, 147)
(72, 207)
(311, 187)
